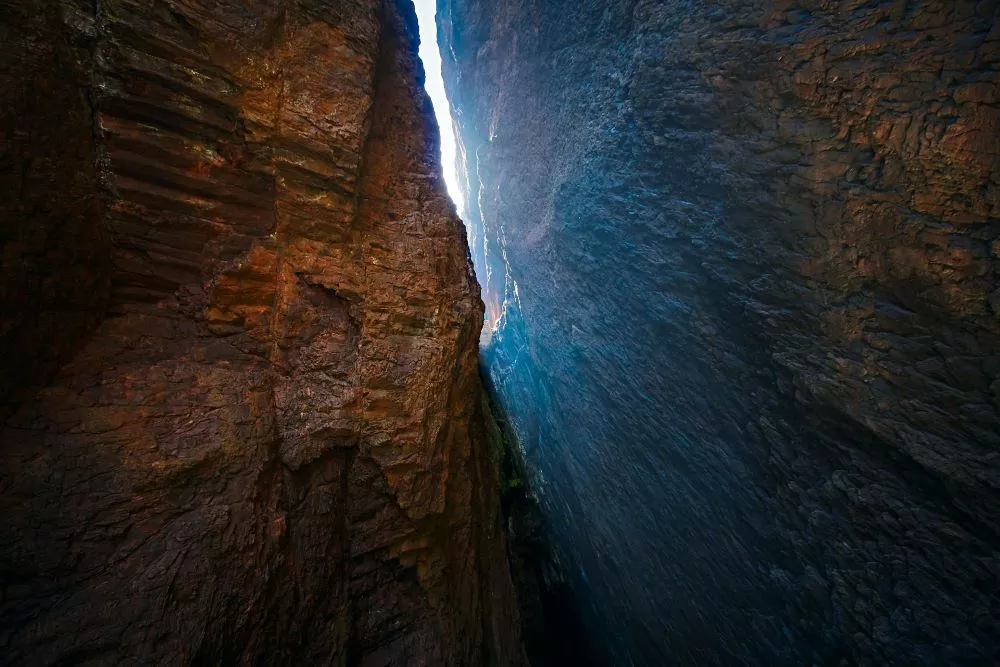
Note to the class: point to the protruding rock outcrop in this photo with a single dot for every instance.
(742, 258)
(241, 396)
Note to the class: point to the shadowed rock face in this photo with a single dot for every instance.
(740, 267)
(242, 415)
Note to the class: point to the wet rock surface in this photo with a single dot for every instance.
(740, 269)
(242, 413)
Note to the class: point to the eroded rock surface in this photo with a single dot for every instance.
(241, 398)
(740, 266)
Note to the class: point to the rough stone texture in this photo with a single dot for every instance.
(242, 408)
(740, 265)
(47, 172)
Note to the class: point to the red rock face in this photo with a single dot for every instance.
(891, 109)
(240, 346)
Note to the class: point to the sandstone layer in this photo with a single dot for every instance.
(740, 262)
(242, 410)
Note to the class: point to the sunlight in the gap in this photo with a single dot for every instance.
(431, 57)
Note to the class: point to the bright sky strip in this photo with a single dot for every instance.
(431, 57)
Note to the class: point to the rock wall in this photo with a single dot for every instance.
(241, 402)
(740, 263)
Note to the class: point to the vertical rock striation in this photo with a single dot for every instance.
(740, 267)
(240, 381)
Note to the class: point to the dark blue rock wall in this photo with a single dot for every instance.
(740, 267)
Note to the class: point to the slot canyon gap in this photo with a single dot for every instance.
(726, 391)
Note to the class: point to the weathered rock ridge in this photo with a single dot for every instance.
(740, 263)
(240, 392)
